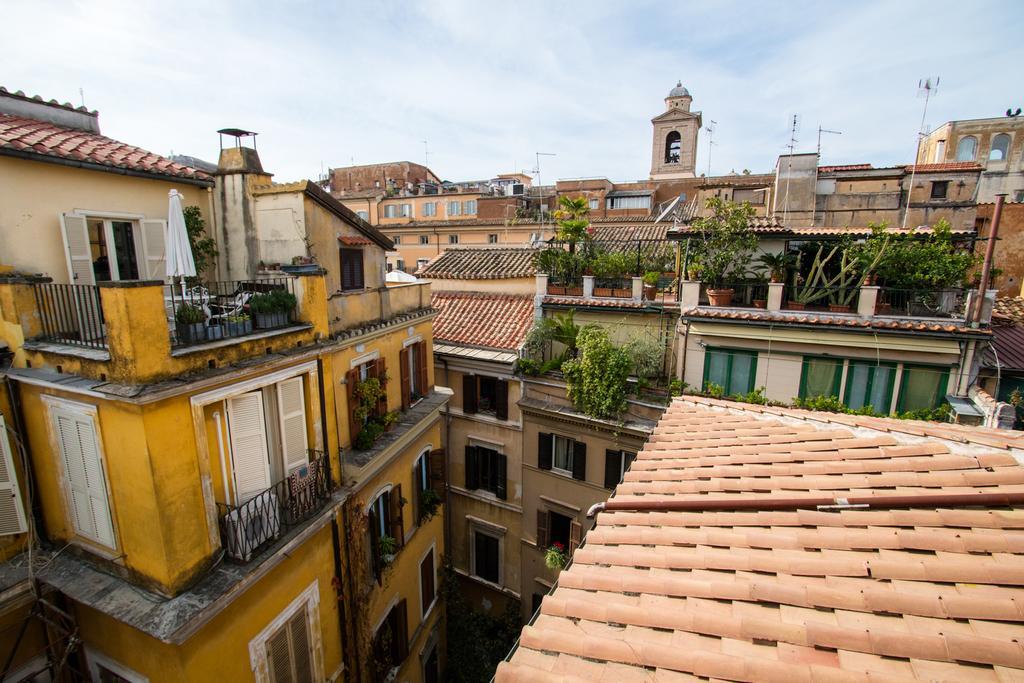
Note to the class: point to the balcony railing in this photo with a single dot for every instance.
(259, 521)
(921, 303)
(744, 294)
(834, 299)
(71, 314)
(223, 310)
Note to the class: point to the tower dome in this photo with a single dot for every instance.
(679, 90)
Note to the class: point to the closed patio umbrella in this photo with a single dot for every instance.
(180, 263)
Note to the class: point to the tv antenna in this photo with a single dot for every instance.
(710, 128)
(426, 154)
(814, 215)
(926, 89)
(536, 172)
(789, 167)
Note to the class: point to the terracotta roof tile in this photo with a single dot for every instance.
(948, 166)
(481, 263)
(498, 321)
(916, 593)
(951, 326)
(1009, 308)
(597, 302)
(49, 140)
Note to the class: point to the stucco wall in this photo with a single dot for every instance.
(33, 195)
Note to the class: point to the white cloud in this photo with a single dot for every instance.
(489, 84)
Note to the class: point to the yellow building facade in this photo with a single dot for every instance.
(204, 508)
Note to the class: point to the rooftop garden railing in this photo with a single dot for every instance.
(229, 309)
(71, 314)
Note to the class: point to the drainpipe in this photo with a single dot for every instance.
(351, 592)
(447, 464)
(986, 268)
(336, 551)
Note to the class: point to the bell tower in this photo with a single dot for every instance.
(674, 147)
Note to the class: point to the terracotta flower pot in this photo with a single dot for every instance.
(602, 291)
(760, 303)
(554, 289)
(839, 308)
(883, 308)
(622, 292)
(720, 297)
(650, 291)
(795, 305)
(574, 291)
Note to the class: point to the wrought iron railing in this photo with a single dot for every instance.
(259, 521)
(222, 310)
(71, 314)
(744, 294)
(835, 299)
(921, 303)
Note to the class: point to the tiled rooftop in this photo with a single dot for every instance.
(772, 225)
(497, 321)
(825, 319)
(883, 593)
(481, 263)
(596, 302)
(44, 140)
(1010, 309)
(948, 166)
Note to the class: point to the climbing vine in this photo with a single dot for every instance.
(597, 377)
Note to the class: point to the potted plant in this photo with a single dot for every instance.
(555, 557)
(190, 323)
(651, 285)
(238, 325)
(429, 502)
(272, 309)
(389, 420)
(301, 264)
(776, 264)
(215, 329)
(724, 245)
(387, 546)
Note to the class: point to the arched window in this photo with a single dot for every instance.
(672, 145)
(1000, 148)
(967, 148)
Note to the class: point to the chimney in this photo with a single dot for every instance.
(238, 171)
(238, 159)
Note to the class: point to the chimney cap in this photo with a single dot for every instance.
(236, 132)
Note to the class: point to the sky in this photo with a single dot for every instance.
(489, 84)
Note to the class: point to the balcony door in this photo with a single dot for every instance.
(267, 436)
(99, 248)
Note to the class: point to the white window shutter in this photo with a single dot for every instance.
(12, 511)
(75, 232)
(291, 410)
(90, 509)
(153, 264)
(249, 453)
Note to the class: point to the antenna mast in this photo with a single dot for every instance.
(789, 167)
(710, 128)
(536, 171)
(426, 154)
(925, 89)
(814, 211)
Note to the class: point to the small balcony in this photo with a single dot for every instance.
(70, 314)
(247, 528)
(228, 309)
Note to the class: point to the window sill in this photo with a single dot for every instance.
(486, 582)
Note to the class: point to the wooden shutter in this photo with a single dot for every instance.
(421, 368)
(579, 460)
(469, 394)
(427, 582)
(373, 524)
(75, 232)
(542, 529)
(544, 451)
(472, 468)
(379, 370)
(501, 399)
(153, 264)
(395, 504)
(90, 509)
(249, 454)
(12, 511)
(575, 535)
(417, 479)
(612, 468)
(402, 631)
(351, 381)
(501, 469)
(291, 411)
(403, 364)
(298, 631)
(351, 269)
(279, 659)
(628, 459)
(438, 470)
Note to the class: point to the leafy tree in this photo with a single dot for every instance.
(597, 377)
(204, 249)
(572, 220)
(724, 240)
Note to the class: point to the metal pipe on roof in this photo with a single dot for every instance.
(986, 268)
(1007, 499)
